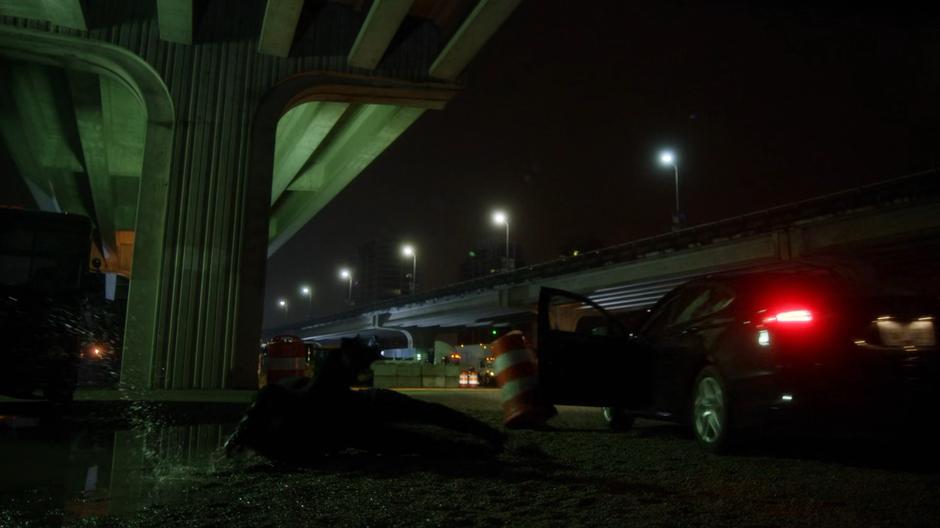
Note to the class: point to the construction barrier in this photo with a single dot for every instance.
(388, 374)
(286, 358)
(469, 378)
(517, 375)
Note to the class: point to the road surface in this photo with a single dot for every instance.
(577, 473)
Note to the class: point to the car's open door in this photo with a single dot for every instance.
(586, 356)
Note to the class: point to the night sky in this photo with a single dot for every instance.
(565, 110)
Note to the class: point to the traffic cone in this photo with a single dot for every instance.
(517, 375)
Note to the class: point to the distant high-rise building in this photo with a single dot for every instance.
(489, 256)
(380, 271)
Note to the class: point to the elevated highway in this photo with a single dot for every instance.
(889, 230)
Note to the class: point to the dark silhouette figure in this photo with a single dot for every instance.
(300, 419)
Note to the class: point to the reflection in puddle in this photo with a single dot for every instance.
(52, 475)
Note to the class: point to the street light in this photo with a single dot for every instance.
(501, 218)
(307, 292)
(668, 159)
(346, 274)
(282, 304)
(409, 251)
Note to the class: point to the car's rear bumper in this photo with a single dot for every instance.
(817, 396)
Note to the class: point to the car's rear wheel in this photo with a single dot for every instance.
(617, 418)
(711, 411)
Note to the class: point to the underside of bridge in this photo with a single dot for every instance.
(74, 141)
(199, 136)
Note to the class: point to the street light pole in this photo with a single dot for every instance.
(345, 273)
(676, 167)
(500, 217)
(282, 303)
(507, 243)
(668, 159)
(409, 251)
(307, 292)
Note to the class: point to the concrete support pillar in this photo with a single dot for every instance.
(201, 232)
(424, 339)
(208, 267)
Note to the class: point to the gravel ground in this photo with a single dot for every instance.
(576, 474)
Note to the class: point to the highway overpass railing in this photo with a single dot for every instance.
(913, 189)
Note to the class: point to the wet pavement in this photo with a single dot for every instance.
(159, 464)
(109, 456)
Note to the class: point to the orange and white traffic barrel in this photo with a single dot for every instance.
(287, 358)
(517, 375)
(469, 378)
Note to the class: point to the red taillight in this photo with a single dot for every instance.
(791, 316)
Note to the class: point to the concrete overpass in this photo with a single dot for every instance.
(201, 135)
(890, 229)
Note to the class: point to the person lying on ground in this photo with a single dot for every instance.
(299, 420)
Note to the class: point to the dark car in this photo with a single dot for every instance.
(732, 352)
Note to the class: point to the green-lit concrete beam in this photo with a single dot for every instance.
(479, 26)
(175, 19)
(125, 127)
(299, 132)
(72, 193)
(37, 178)
(65, 13)
(22, 115)
(377, 32)
(86, 100)
(42, 98)
(360, 137)
(11, 133)
(278, 26)
(125, 189)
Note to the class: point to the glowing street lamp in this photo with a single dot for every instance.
(668, 159)
(307, 292)
(501, 218)
(409, 251)
(346, 274)
(282, 304)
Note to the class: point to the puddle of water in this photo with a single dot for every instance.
(56, 475)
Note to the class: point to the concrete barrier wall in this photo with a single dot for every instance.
(405, 374)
